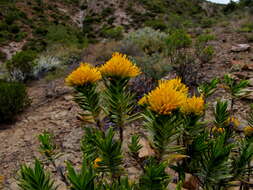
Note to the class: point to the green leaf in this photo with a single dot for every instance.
(35, 178)
(82, 180)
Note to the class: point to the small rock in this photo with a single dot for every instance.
(146, 150)
(248, 67)
(240, 47)
(68, 97)
(236, 65)
(191, 182)
(251, 82)
(249, 92)
(14, 186)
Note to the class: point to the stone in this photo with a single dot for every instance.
(14, 186)
(249, 92)
(146, 150)
(68, 97)
(247, 67)
(240, 47)
(191, 182)
(251, 82)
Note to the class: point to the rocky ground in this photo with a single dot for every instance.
(52, 109)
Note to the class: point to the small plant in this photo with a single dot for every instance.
(207, 89)
(213, 153)
(83, 180)
(134, 146)
(236, 89)
(207, 54)
(154, 176)
(207, 22)
(246, 27)
(48, 149)
(203, 51)
(35, 178)
(13, 100)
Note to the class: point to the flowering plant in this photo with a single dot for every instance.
(214, 153)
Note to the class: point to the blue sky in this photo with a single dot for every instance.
(221, 1)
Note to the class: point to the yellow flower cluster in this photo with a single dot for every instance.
(248, 131)
(218, 130)
(165, 99)
(233, 121)
(119, 65)
(176, 84)
(96, 162)
(193, 105)
(171, 95)
(84, 74)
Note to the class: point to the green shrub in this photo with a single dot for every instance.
(13, 99)
(11, 17)
(207, 54)
(154, 66)
(249, 37)
(202, 43)
(61, 34)
(2, 56)
(107, 11)
(3, 25)
(156, 24)
(204, 38)
(207, 22)
(247, 27)
(147, 39)
(230, 7)
(36, 45)
(178, 39)
(14, 28)
(114, 33)
(21, 65)
(5, 36)
(20, 36)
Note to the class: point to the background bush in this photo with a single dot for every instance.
(147, 39)
(13, 99)
(2, 56)
(113, 33)
(21, 65)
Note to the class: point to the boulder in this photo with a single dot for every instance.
(240, 47)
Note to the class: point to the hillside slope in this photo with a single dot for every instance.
(35, 25)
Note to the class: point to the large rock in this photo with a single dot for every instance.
(240, 47)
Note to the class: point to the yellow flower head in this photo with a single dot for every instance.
(175, 84)
(248, 131)
(194, 105)
(96, 162)
(119, 65)
(164, 99)
(143, 100)
(218, 130)
(84, 74)
(233, 121)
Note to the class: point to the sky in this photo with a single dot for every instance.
(221, 1)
